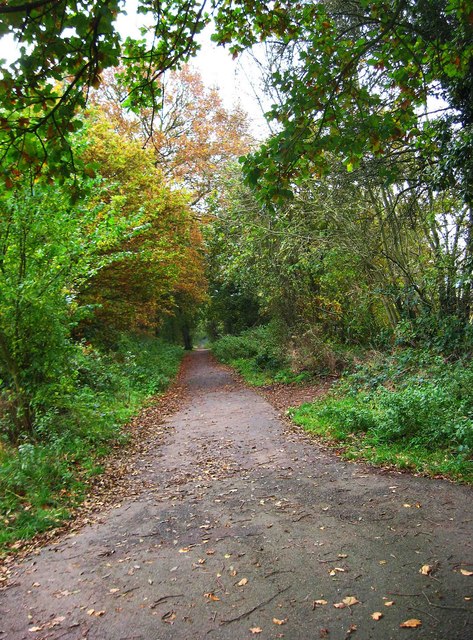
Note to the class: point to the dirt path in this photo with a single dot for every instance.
(244, 525)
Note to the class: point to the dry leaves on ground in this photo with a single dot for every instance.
(412, 623)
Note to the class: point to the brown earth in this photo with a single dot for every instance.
(236, 526)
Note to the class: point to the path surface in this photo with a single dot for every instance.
(244, 521)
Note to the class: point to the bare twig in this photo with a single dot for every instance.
(164, 598)
(258, 606)
(442, 606)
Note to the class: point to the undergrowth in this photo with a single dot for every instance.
(47, 475)
(258, 356)
(412, 409)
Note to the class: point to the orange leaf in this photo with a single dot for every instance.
(412, 623)
(211, 596)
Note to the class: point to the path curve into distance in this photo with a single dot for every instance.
(247, 529)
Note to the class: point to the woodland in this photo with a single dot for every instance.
(139, 217)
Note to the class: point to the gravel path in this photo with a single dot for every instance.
(246, 529)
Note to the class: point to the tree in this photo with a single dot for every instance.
(357, 79)
(156, 257)
(193, 136)
(52, 240)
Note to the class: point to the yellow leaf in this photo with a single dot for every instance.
(377, 615)
(242, 582)
(256, 630)
(464, 572)
(389, 603)
(426, 570)
(184, 550)
(412, 623)
(277, 621)
(350, 601)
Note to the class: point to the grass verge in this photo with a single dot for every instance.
(43, 479)
(411, 410)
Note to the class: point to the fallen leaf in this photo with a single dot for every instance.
(426, 569)
(383, 562)
(465, 572)
(342, 555)
(115, 590)
(350, 601)
(210, 552)
(242, 582)
(90, 612)
(211, 596)
(277, 621)
(339, 605)
(256, 630)
(412, 623)
(33, 629)
(184, 550)
(319, 603)
(377, 615)
(201, 560)
(389, 603)
(335, 570)
(407, 505)
(98, 614)
(352, 629)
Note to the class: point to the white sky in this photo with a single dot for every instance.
(236, 80)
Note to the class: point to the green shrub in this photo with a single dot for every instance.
(43, 478)
(256, 353)
(407, 409)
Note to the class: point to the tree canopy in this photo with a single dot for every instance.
(354, 77)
